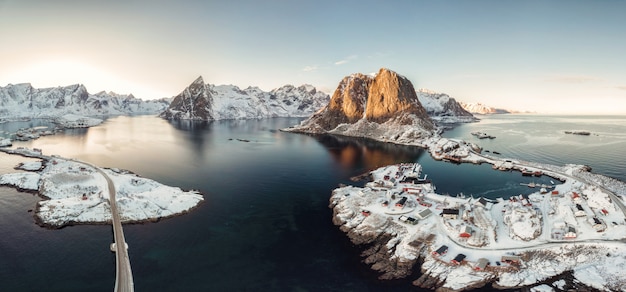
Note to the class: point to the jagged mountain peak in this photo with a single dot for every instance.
(198, 80)
(382, 107)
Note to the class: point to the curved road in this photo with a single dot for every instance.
(124, 275)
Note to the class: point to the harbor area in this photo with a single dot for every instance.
(480, 237)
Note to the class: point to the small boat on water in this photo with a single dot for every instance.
(527, 172)
(530, 185)
(543, 191)
(481, 135)
(495, 152)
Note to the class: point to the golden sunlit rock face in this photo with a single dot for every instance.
(391, 94)
(375, 99)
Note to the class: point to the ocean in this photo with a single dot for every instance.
(265, 224)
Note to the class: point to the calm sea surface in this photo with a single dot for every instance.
(265, 224)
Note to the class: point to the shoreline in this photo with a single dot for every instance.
(459, 151)
(56, 174)
(396, 256)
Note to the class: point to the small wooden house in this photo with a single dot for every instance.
(450, 214)
(400, 203)
(481, 264)
(598, 224)
(579, 212)
(407, 219)
(442, 250)
(458, 259)
(570, 233)
(465, 231)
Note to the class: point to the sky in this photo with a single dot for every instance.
(561, 57)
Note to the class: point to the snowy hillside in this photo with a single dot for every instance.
(200, 101)
(443, 108)
(25, 101)
(481, 109)
(230, 102)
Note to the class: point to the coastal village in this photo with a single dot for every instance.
(515, 240)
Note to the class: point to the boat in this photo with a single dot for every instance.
(538, 173)
(495, 152)
(481, 135)
(543, 190)
(527, 172)
(531, 185)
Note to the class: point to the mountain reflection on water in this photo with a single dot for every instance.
(365, 154)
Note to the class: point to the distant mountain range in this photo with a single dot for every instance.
(202, 101)
(481, 109)
(25, 101)
(444, 109)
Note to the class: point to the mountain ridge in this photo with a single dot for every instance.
(25, 101)
(481, 109)
(444, 109)
(203, 101)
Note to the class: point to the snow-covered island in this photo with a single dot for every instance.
(466, 243)
(77, 193)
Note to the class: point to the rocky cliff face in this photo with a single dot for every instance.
(201, 101)
(25, 101)
(443, 108)
(195, 102)
(384, 107)
(391, 95)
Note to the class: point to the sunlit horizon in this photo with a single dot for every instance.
(560, 57)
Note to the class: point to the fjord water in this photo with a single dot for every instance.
(265, 224)
(542, 139)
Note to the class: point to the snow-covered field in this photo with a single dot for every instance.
(76, 193)
(525, 240)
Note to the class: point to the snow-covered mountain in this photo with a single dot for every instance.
(25, 101)
(481, 109)
(384, 107)
(443, 108)
(202, 101)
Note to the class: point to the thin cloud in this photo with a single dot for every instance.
(309, 68)
(346, 60)
(572, 79)
(621, 87)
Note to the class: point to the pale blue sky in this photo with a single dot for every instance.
(546, 56)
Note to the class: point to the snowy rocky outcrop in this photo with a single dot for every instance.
(5, 142)
(202, 101)
(443, 108)
(481, 109)
(384, 107)
(76, 121)
(77, 193)
(24, 101)
(465, 243)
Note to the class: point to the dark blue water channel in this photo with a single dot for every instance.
(265, 224)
